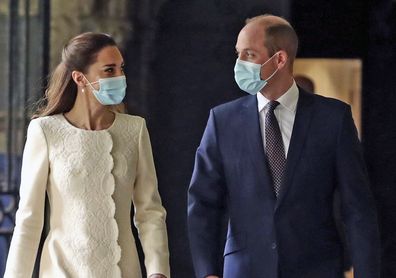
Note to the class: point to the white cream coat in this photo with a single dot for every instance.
(92, 179)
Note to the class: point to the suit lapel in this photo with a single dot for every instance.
(299, 133)
(252, 132)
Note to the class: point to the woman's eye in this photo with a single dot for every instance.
(109, 70)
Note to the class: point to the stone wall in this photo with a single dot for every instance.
(72, 17)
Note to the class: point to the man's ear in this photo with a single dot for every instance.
(282, 59)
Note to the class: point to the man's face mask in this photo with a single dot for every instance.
(248, 75)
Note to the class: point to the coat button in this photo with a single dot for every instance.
(273, 245)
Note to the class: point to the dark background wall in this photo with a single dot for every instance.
(379, 122)
(181, 64)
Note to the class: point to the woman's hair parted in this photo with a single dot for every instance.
(78, 54)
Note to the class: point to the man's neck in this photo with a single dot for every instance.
(277, 87)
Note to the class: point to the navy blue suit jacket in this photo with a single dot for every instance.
(293, 235)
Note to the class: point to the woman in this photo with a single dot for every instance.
(93, 163)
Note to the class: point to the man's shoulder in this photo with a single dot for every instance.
(325, 103)
(329, 101)
(235, 104)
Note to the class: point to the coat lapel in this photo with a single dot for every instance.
(299, 133)
(252, 132)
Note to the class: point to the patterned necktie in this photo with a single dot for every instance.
(274, 147)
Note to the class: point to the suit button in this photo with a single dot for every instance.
(273, 245)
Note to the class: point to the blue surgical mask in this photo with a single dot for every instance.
(111, 90)
(248, 76)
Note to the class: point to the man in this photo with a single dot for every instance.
(272, 161)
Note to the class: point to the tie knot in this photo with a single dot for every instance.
(272, 105)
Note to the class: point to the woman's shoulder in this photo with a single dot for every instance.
(41, 126)
(131, 119)
(47, 123)
(128, 127)
(45, 120)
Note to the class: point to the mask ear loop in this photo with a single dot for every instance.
(270, 59)
(272, 75)
(90, 83)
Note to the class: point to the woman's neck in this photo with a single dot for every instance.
(88, 113)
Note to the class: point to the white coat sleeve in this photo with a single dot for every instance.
(149, 213)
(30, 214)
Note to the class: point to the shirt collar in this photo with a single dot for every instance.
(287, 100)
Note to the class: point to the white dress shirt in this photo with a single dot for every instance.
(285, 113)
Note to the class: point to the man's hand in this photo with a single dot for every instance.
(157, 275)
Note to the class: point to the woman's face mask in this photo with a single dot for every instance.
(111, 90)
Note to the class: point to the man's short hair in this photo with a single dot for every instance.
(279, 35)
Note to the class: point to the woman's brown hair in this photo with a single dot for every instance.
(78, 54)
